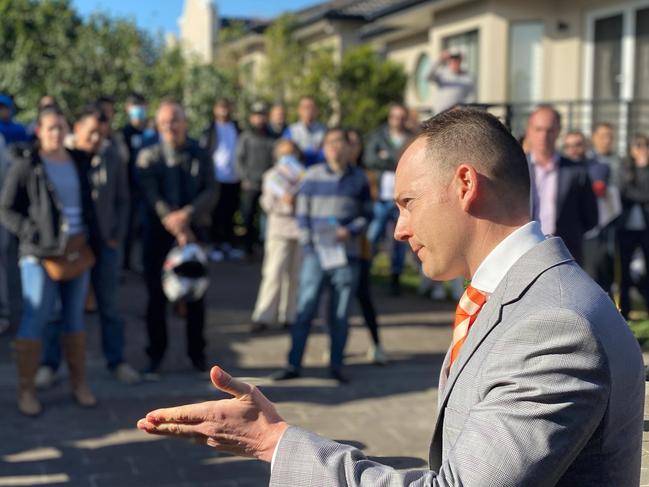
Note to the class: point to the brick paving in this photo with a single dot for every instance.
(68, 446)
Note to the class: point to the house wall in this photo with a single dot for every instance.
(407, 52)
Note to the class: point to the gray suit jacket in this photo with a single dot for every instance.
(547, 390)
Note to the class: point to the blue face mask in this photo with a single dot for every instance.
(137, 112)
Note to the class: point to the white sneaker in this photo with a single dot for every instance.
(46, 377)
(216, 255)
(126, 374)
(376, 354)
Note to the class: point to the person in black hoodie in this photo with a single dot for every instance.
(634, 221)
(253, 158)
(46, 202)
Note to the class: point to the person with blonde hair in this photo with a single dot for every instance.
(277, 297)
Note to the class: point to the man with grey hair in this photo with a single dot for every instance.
(177, 183)
(543, 383)
(563, 201)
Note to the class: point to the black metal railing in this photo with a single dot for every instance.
(627, 117)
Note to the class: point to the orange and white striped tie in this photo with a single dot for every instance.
(466, 313)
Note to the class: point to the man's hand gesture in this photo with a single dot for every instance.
(246, 425)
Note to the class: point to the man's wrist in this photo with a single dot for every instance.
(275, 437)
(282, 430)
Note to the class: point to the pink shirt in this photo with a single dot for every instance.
(546, 185)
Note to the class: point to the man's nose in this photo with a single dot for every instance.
(401, 231)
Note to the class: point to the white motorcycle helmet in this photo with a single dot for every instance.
(185, 273)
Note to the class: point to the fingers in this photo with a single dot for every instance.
(188, 414)
(170, 429)
(226, 383)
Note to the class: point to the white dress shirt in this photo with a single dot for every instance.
(496, 265)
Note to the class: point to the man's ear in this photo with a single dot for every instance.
(467, 184)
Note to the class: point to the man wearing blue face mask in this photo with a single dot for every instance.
(136, 135)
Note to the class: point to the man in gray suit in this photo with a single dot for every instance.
(543, 384)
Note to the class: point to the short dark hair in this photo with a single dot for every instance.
(105, 99)
(135, 98)
(333, 129)
(602, 125)
(575, 132)
(468, 135)
(48, 110)
(223, 101)
(93, 110)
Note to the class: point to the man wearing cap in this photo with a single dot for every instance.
(11, 131)
(254, 157)
(454, 85)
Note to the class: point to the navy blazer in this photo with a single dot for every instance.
(576, 205)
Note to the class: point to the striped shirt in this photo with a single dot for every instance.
(327, 196)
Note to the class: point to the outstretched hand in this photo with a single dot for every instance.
(247, 425)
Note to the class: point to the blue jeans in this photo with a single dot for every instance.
(384, 212)
(342, 283)
(105, 282)
(40, 296)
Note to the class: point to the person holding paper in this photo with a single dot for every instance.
(333, 210)
(277, 298)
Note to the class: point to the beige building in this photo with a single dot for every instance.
(589, 57)
(198, 26)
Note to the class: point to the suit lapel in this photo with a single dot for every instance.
(523, 273)
(443, 376)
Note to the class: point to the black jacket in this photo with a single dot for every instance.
(29, 207)
(254, 157)
(634, 190)
(186, 183)
(380, 141)
(208, 139)
(576, 211)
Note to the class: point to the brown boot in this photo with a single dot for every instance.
(74, 350)
(28, 356)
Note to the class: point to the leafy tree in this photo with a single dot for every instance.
(33, 38)
(203, 85)
(319, 78)
(367, 86)
(284, 61)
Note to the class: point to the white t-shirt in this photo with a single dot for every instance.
(224, 163)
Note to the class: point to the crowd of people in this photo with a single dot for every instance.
(81, 201)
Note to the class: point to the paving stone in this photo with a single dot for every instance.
(101, 447)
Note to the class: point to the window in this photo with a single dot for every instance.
(467, 44)
(641, 89)
(525, 61)
(422, 85)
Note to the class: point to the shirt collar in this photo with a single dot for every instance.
(555, 161)
(347, 170)
(495, 266)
